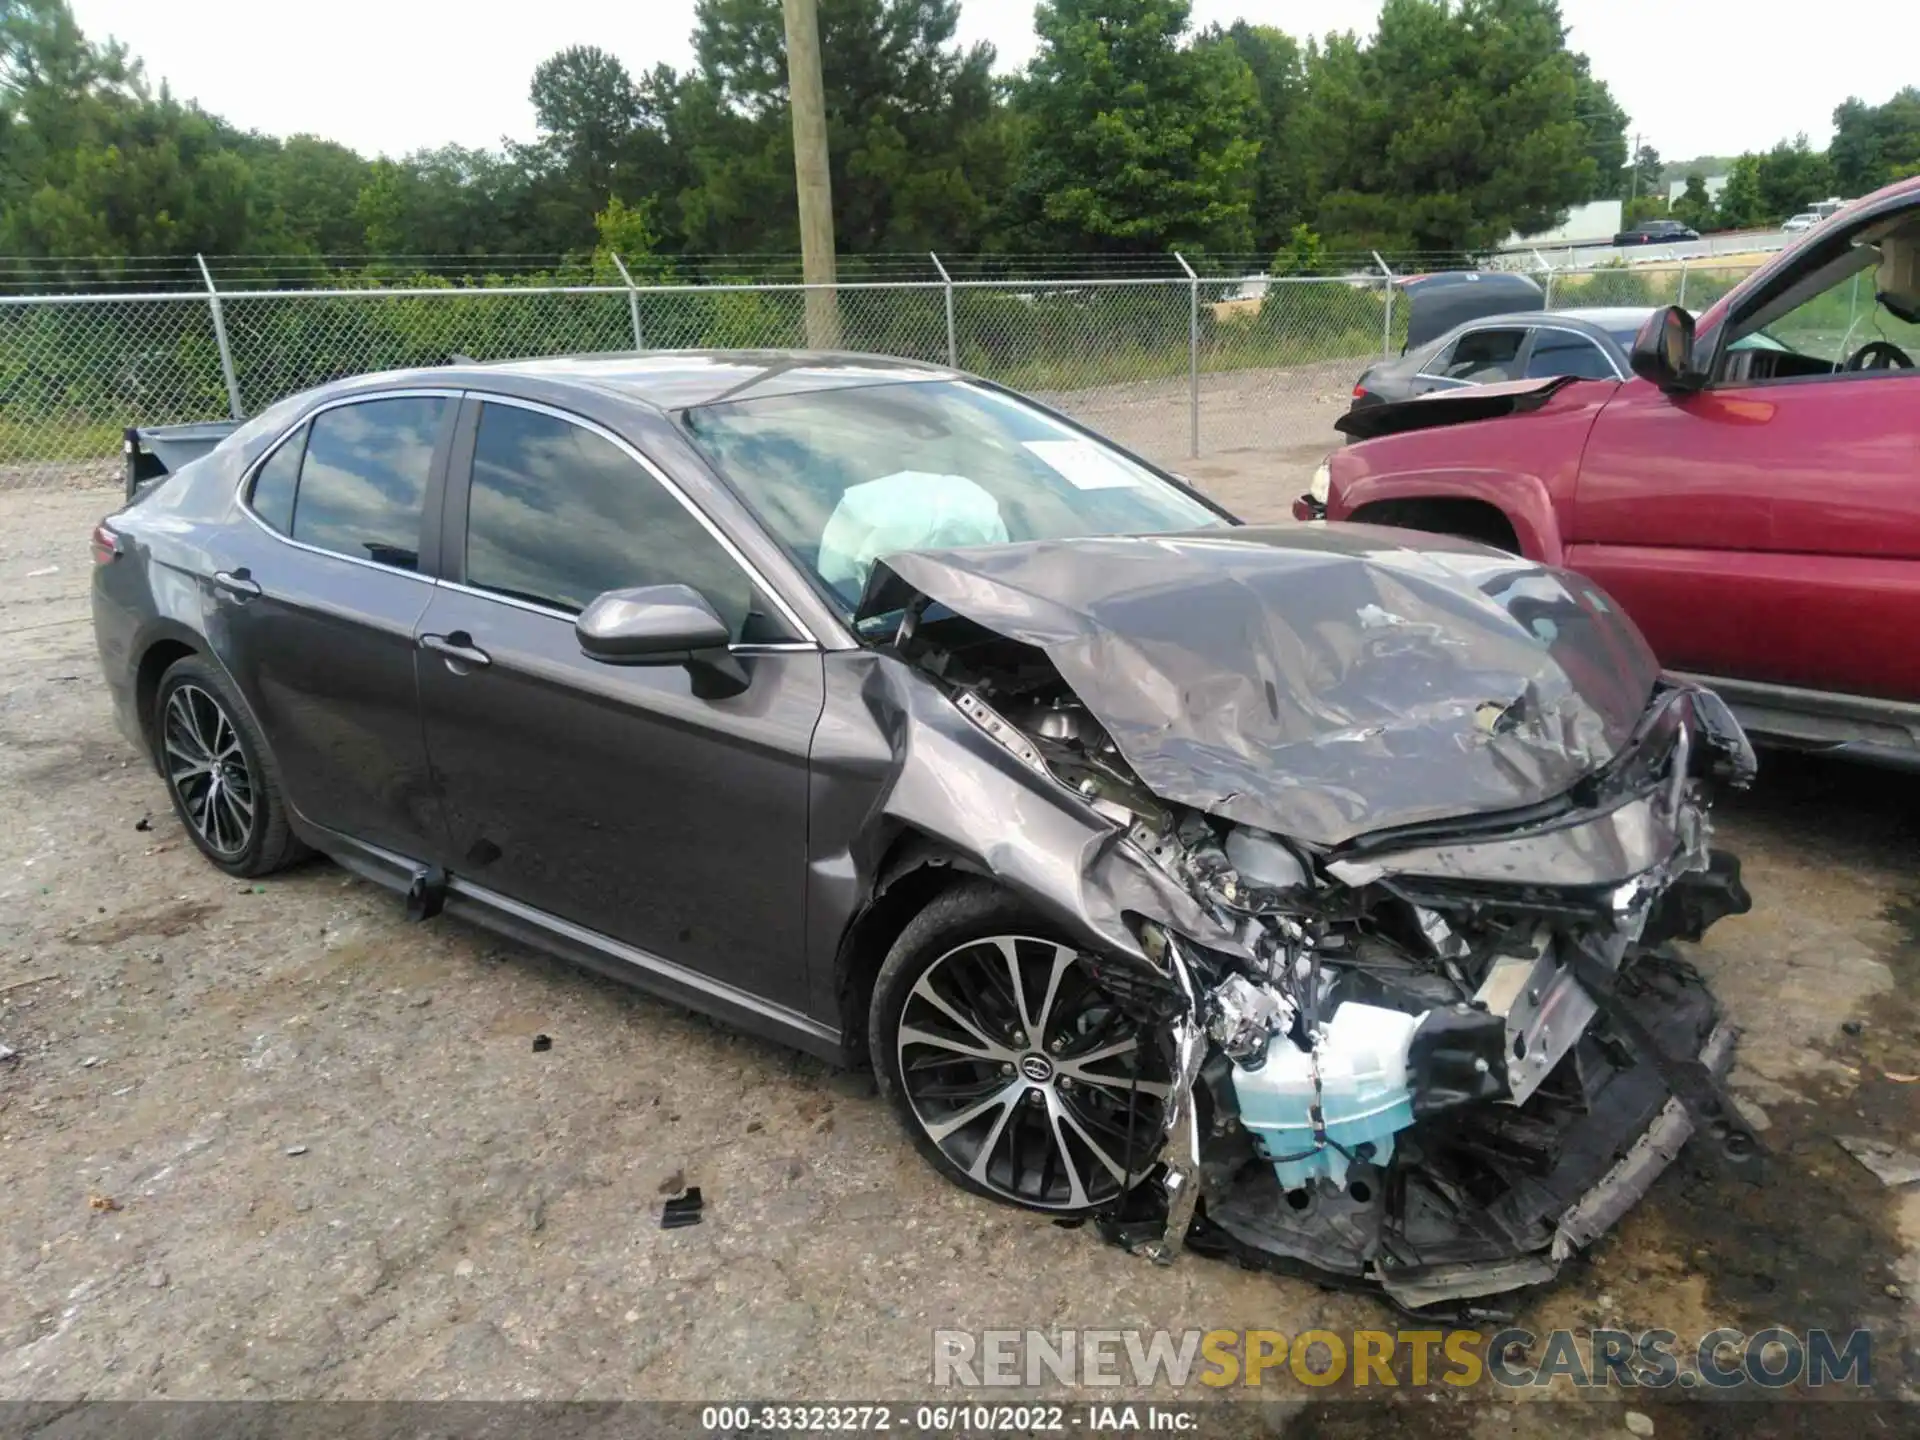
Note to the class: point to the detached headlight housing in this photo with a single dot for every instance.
(1322, 482)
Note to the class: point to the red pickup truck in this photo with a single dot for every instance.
(1750, 496)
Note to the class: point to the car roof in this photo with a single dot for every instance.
(681, 379)
(1604, 318)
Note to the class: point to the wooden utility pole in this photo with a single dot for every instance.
(807, 94)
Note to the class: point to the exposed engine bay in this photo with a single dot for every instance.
(1431, 1058)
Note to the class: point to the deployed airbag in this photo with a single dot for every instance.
(908, 510)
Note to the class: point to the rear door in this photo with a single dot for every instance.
(314, 609)
(613, 796)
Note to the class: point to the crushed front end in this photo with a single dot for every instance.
(1441, 1063)
(1433, 821)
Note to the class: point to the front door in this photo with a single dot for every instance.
(1767, 528)
(612, 796)
(313, 613)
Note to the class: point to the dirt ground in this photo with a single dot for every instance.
(272, 1141)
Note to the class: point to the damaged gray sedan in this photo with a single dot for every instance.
(1297, 895)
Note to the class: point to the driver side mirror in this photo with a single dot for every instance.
(1663, 351)
(662, 625)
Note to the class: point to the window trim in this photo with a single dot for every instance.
(460, 484)
(430, 499)
(1524, 356)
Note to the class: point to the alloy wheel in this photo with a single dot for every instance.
(208, 770)
(1028, 1077)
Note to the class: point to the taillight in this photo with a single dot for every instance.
(1359, 392)
(106, 545)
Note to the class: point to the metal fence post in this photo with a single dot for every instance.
(220, 338)
(1386, 289)
(633, 301)
(1193, 357)
(946, 283)
(1546, 299)
(1681, 299)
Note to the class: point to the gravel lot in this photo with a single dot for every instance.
(274, 1142)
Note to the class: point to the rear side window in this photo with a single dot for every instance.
(1482, 356)
(1560, 352)
(275, 481)
(365, 477)
(558, 514)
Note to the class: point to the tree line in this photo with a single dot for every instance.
(1873, 145)
(1457, 123)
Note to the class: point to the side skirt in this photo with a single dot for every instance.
(613, 958)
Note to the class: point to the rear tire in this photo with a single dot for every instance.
(1014, 1073)
(219, 772)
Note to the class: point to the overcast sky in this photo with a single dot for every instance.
(390, 76)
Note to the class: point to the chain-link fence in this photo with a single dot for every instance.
(1173, 366)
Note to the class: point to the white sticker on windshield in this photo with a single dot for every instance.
(1086, 466)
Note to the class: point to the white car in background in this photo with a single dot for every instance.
(1805, 220)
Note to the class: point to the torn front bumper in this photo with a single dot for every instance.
(1423, 1232)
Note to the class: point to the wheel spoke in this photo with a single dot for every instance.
(235, 825)
(1010, 955)
(924, 989)
(1120, 1085)
(1063, 958)
(1076, 1191)
(914, 1035)
(1111, 1165)
(983, 1158)
(1105, 1052)
(1005, 1096)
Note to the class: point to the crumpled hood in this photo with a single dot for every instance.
(1317, 681)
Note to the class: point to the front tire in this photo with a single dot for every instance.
(219, 772)
(1014, 1072)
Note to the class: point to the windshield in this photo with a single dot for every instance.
(844, 477)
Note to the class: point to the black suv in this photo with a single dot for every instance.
(1656, 232)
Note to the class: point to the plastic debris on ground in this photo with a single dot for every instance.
(1889, 1166)
(682, 1210)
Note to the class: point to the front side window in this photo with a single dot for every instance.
(557, 514)
(365, 478)
(844, 477)
(1482, 356)
(275, 482)
(1842, 317)
(1561, 352)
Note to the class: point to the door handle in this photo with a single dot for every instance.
(457, 648)
(238, 583)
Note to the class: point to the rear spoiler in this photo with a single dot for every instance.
(1450, 407)
(155, 451)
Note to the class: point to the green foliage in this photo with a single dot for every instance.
(1458, 125)
(1643, 181)
(917, 143)
(1279, 81)
(1305, 253)
(1874, 145)
(1694, 207)
(1644, 208)
(628, 232)
(1742, 206)
(1136, 140)
(1611, 284)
